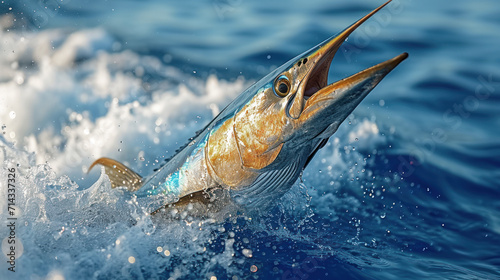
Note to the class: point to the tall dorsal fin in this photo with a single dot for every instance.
(119, 174)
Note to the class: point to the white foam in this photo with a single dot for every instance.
(78, 100)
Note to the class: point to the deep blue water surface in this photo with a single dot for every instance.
(417, 196)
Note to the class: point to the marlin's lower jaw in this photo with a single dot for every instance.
(331, 104)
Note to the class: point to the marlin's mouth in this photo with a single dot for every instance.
(318, 108)
(320, 59)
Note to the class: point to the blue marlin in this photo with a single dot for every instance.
(256, 148)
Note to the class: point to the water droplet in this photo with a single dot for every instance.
(12, 114)
(268, 56)
(247, 253)
(131, 259)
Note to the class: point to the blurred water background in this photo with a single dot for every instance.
(408, 188)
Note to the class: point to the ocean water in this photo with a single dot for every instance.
(408, 188)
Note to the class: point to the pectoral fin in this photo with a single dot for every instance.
(119, 174)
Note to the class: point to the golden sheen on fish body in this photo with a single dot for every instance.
(256, 148)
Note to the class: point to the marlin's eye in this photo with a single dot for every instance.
(282, 86)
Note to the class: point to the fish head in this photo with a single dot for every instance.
(295, 104)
